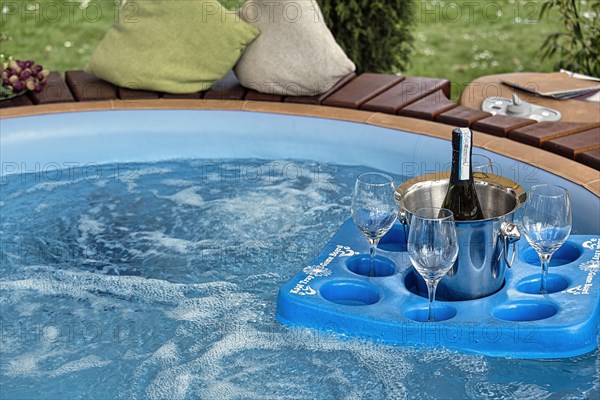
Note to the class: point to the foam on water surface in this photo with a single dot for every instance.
(161, 283)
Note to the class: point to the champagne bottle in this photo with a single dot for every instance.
(461, 197)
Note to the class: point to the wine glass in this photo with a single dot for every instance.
(481, 163)
(432, 247)
(373, 208)
(546, 223)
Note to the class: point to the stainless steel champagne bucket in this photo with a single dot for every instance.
(484, 245)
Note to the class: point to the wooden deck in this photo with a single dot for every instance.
(413, 97)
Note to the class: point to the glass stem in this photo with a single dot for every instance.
(372, 247)
(545, 259)
(431, 288)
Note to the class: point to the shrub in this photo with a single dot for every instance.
(376, 34)
(578, 47)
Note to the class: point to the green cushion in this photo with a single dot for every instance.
(181, 46)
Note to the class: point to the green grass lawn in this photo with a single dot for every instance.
(57, 34)
(456, 40)
(463, 40)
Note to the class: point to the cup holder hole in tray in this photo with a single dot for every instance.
(350, 293)
(410, 281)
(394, 240)
(554, 284)
(566, 254)
(441, 312)
(361, 265)
(521, 311)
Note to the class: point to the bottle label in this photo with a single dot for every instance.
(464, 155)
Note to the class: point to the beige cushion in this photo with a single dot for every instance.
(295, 54)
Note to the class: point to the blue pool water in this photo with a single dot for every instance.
(154, 280)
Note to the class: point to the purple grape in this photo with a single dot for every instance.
(21, 75)
(18, 86)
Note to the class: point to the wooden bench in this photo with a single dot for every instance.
(415, 97)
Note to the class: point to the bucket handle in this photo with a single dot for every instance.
(510, 234)
(404, 221)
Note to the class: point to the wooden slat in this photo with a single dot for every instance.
(133, 94)
(87, 87)
(500, 125)
(228, 88)
(428, 107)
(253, 95)
(18, 101)
(190, 96)
(55, 90)
(538, 134)
(318, 99)
(404, 93)
(461, 116)
(591, 158)
(570, 146)
(360, 90)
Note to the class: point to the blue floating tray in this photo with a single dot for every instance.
(333, 295)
